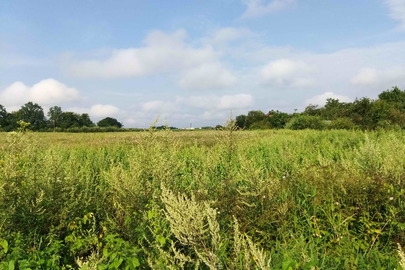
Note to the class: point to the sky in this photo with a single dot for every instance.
(197, 62)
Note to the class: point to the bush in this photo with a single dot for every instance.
(264, 124)
(306, 122)
(342, 123)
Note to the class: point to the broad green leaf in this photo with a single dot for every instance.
(4, 245)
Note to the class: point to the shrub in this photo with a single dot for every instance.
(342, 123)
(306, 122)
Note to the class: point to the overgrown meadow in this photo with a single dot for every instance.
(203, 200)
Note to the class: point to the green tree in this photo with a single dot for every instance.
(278, 119)
(361, 112)
(254, 116)
(379, 112)
(241, 121)
(69, 120)
(85, 120)
(4, 118)
(109, 122)
(332, 109)
(32, 113)
(396, 117)
(312, 110)
(55, 115)
(393, 96)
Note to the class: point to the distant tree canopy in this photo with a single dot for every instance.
(388, 111)
(33, 114)
(64, 120)
(109, 122)
(4, 117)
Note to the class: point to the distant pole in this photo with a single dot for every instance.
(191, 125)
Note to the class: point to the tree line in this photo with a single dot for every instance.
(387, 111)
(58, 120)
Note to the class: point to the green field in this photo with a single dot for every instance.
(202, 200)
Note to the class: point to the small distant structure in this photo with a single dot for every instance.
(190, 127)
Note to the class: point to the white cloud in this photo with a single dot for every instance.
(366, 76)
(207, 76)
(103, 110)
(397, 11)
(236, 101)
(352, 72)
(50, 92)
(45, 92)
(286, 72)
(256, 8)
(15, 95)
(320, 100)
(381, 77)
(161, 53)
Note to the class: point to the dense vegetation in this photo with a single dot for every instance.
(388, 111)
(58, 120)
(206, 199)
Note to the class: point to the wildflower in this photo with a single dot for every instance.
(391, 198)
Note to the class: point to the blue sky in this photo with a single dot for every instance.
(197, 61)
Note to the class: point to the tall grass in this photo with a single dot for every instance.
(217, 199)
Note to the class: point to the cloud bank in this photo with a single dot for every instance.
(286, 72)
(198, 67)
(46, 92)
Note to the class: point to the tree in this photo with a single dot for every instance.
(312, 109)
(361, 112)
(6, 120)
(69, 120)
(241, 121)
(394, 96)
(219, 127)
(278, 119)
(32, 113)
(335, 109)
(3, 117)
(85, 120)
(55, 114)
(254, 116)
(109, 122)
